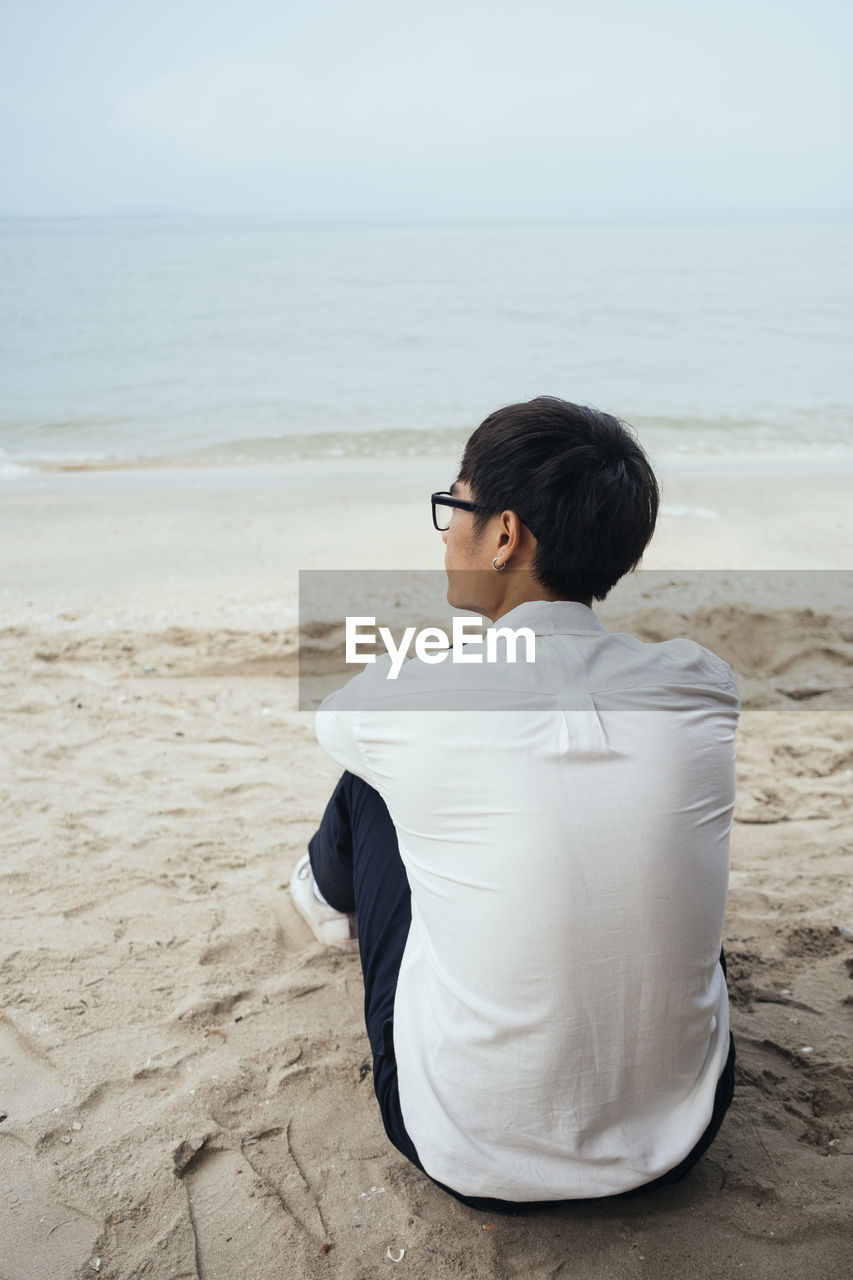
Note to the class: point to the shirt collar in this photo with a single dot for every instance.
(553, 617)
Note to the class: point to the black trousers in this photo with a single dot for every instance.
(356, 863)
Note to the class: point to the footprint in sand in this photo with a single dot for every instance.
(29, 1083)
(41, 1236)
(241, 1218)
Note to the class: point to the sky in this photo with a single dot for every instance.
(550, 108)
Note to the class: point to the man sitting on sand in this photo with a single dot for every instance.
(536, 878)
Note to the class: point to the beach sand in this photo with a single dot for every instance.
(185, 1083)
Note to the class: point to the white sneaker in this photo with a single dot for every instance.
(332, 928)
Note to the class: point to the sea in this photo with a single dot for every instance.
(204, 341)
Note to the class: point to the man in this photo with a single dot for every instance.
(539, 875)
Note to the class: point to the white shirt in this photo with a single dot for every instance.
(561, 1017)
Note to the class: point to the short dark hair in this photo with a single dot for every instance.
(578, 479)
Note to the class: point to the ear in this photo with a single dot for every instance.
(511, 532)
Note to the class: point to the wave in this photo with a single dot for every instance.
(822, 435)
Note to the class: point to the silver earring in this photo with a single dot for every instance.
(497, 566)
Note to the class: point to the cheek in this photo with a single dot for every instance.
(460, 547)
(455, 541)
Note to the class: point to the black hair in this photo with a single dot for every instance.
(578, 479)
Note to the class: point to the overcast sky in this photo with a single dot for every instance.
(543, 108)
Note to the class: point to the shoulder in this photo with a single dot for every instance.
(685, 654)
(627, 663)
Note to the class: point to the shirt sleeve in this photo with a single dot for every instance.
(337, 719)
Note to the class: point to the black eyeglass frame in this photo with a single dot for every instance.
(448, 500)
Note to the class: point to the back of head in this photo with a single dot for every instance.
(580, 482)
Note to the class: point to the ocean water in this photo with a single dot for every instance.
(202, 340)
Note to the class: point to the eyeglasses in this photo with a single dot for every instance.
(443, 505)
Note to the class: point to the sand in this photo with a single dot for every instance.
(184, 1074)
